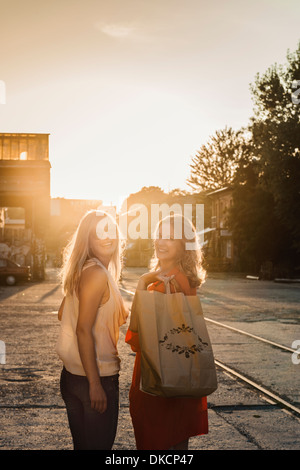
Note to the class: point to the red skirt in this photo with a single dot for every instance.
(160, 423)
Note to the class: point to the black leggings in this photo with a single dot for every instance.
(90, 429)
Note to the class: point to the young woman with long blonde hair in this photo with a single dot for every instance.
(167, 423)
(91, 313)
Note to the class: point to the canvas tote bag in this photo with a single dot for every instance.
(176, 353)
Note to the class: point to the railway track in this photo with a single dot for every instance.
(269, 394)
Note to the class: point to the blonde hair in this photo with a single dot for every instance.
(190, 263)
(78, 251)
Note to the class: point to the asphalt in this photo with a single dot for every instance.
(33, 416)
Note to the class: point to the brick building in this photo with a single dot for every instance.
(25, 184)
(221, 252)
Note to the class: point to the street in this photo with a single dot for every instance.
(33, 415)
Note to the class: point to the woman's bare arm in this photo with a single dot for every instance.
(91, 289)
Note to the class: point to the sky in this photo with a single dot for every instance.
(129, 90)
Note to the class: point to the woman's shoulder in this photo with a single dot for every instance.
(182, 281)
(92, 262)
(93, 276)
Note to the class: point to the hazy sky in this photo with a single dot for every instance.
(130, 89)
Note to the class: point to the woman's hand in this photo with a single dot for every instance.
(148, 278)
(98, 397)
(154, 276)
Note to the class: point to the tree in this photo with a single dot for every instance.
(264, 217)
(214, 165)
(258, 234)
(275, 129)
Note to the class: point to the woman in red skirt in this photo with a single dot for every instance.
(167, 423)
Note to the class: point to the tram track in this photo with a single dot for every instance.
(259, 338)
(271, 396)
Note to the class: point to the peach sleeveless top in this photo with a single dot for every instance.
(110, 316)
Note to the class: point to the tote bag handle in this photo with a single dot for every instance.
(167, 280)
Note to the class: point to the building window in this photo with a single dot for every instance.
(228, 249)
(23, 156)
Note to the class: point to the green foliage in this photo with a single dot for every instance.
(275, 131)
(258, 233)
(214, 165)
(263, 168)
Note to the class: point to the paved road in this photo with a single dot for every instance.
(33, 414)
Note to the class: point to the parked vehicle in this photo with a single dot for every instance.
(11, 272)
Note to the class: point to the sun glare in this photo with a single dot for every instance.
(23, 156)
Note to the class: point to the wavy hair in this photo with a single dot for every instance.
(78, 251)
(190, 261)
